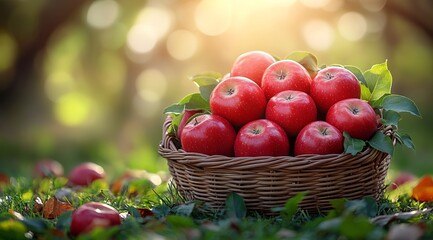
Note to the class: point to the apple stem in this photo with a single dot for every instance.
(281, 75)
(325, 131)
(329, 76)
(231, 91)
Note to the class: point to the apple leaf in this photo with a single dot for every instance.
(306, 59)
(365, 92)
(357, 72)
(235, 206)
(206, 82)
(352, 145)
(382, 143)
(379, 81)
(192, 101)
(406, 140)
(390, 118)
(397, 103)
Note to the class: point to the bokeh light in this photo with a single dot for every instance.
(151, 85)
(182, 44)
(102, 13)
(7, 51)
(59, 83)
(213, 17)
(73, 109)
(352, 26)
(318, 34)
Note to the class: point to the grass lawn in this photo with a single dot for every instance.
(42, 209)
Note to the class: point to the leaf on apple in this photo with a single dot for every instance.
(352, 145)
(379, 81)
(357, 72)
(382, 142)
(306, 59)
(397, 103)
(206, 82)
(390, 118)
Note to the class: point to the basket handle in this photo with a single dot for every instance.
(167, 140)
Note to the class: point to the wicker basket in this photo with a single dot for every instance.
(268, 182)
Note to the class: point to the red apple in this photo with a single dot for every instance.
(47, 168)
(285, 75)
(92, 215)
(252, 65)
(319, 137)
(209, 134)
(402, 178)
(239, 100)
(292, 110)
(333, 84)
(261, 138)
(187, 114)
(354, 116)
(85, 173)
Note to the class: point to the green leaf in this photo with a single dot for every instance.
(235, 206)
(382, 143)
(390, 118)
(354, 227)
(352, 145)
(379, 81)
(357, 72)
(399, 104)
(206, 83)
(406, 140)
(306, 59)
(12, 229)
(366, 206)
(193, 101)
(180, 221)
(184, 209)
(175, 108)
(365, 92)
(292, 205)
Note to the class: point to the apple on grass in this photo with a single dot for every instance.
(292, 110)
(239, 100)
(47, 168)
(354, 116)
(93, 215)
(86, 173)
(252, 65)
(319, 137)
(333, 84)
(209, 134)
(285, 75)
(261, 138)
(402, 178)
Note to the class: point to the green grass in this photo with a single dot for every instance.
(175, 218)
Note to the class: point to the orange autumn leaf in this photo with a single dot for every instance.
(423, 191)
(54, 208)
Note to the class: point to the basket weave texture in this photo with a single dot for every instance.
(268, 182)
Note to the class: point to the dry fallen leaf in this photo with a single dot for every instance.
(54, 208)
(423, 191)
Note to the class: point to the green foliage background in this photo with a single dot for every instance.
(88, 80)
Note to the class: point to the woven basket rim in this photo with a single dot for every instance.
(169, 150)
